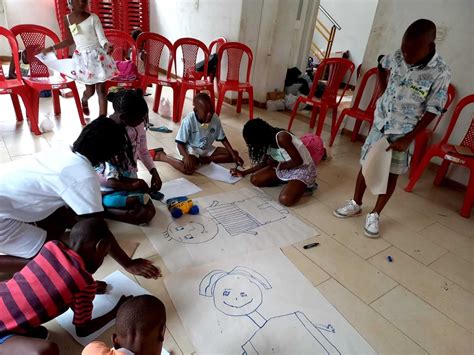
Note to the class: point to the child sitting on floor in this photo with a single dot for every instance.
(278, 156)
(58, 278)
(195, 138)
(126, 197)
(140, 326)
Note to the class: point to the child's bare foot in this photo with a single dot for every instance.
(157, 154)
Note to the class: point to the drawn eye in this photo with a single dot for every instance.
(226, 293)
(179, 228)
(243, 294)
(189, 236)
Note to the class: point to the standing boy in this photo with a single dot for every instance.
(415, 94)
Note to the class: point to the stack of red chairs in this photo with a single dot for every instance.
(133, 14)
(108, 12)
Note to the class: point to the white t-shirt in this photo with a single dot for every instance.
(200, 136)
(33, 188)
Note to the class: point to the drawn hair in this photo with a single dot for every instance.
(208, 283)
(259, 136)
(130, 103)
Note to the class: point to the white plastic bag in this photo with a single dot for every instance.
(290, 101)
(165, 108)
(46, 125)
(276, 105)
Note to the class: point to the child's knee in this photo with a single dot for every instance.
(46, 348)
(256, 181)
(286, 199)
(145, 214)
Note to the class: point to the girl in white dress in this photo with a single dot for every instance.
(93, 65)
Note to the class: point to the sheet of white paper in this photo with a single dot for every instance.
(217, 172)
(376, 167)
(259, 303)
(178, 187)
(229, 223)
(118, 285)
(63, 66)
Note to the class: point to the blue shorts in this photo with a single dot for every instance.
(4, 338)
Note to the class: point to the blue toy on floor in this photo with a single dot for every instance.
(181, 205)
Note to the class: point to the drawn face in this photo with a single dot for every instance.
(236, 295)
(189, 231)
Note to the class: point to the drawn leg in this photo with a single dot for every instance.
(317, 334)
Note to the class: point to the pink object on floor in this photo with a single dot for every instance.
(315, 146)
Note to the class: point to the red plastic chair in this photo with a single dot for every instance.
(123, 43)
(152, 45)
(61, 11)
(108, 12)
(16, 87)
(336, 69)
(446, 151)
(355, 111)
(133, 14)
(422, 139)
(34, 40)
(191, 79)
(234, 52)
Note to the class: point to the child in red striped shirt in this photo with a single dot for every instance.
(58, 278)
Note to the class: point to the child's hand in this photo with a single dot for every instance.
(190, 164)
(156, 182)
(109, 48)
(237, 172)
(400, 145)
(238, 160)
(45, 51)
(145, 268)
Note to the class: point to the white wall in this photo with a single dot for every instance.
(355, 18)
(456, 46)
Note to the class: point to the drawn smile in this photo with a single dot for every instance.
(238, 306)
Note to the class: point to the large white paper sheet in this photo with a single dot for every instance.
(178, 187)
(118, 285)
(259, 303)
(217, 172)
(63, 66)
(229, 223)
(376, 167)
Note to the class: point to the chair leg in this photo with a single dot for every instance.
(314, 113)
(220, 100)
(421, 142)
(336, 128)
(176, 96)
(239, 101)
(442, 171)
(469, 197)
(156, 102)
(250, 91)
(419, 171)
(293, 113)
(213, 97)
(34, 95)
(182, 98)
(27, 102)
(355, 130)
(322, 118)
(56, 103)
(334, 117)
(78, 102)
(17, 107)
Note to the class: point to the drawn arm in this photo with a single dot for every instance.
(248, 349)
(315, 331)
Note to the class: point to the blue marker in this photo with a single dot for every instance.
(389, 258)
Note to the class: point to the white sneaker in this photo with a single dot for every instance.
(351, 208)
(372, 223)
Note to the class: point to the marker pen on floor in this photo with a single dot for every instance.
(309, 246)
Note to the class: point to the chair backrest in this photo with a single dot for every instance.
(468, 140)
(61, 11)
(122, 42)
(190, 48)
(14, 51)
(376, 91)
(465, 101)
(218, 42)
(34, 40)
(153, 44)
(134, 14)
(108, 12)
(335, 69)
(235, 52)
(449, 101)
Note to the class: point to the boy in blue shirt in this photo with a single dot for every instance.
(416, 80)
(195, 138)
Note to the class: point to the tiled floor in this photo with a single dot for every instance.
(422, 302)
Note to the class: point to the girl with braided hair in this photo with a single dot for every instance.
(126, 197)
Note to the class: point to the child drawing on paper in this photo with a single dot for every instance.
(239, 293)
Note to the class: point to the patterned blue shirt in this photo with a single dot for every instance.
(411, 91)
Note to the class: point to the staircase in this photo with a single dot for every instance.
(327, 33)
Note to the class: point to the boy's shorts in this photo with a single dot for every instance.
(4, 338)
(197, 152)
(20, 239)
(400, 160)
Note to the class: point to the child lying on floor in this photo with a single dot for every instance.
(195, 138)
(58, 278)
